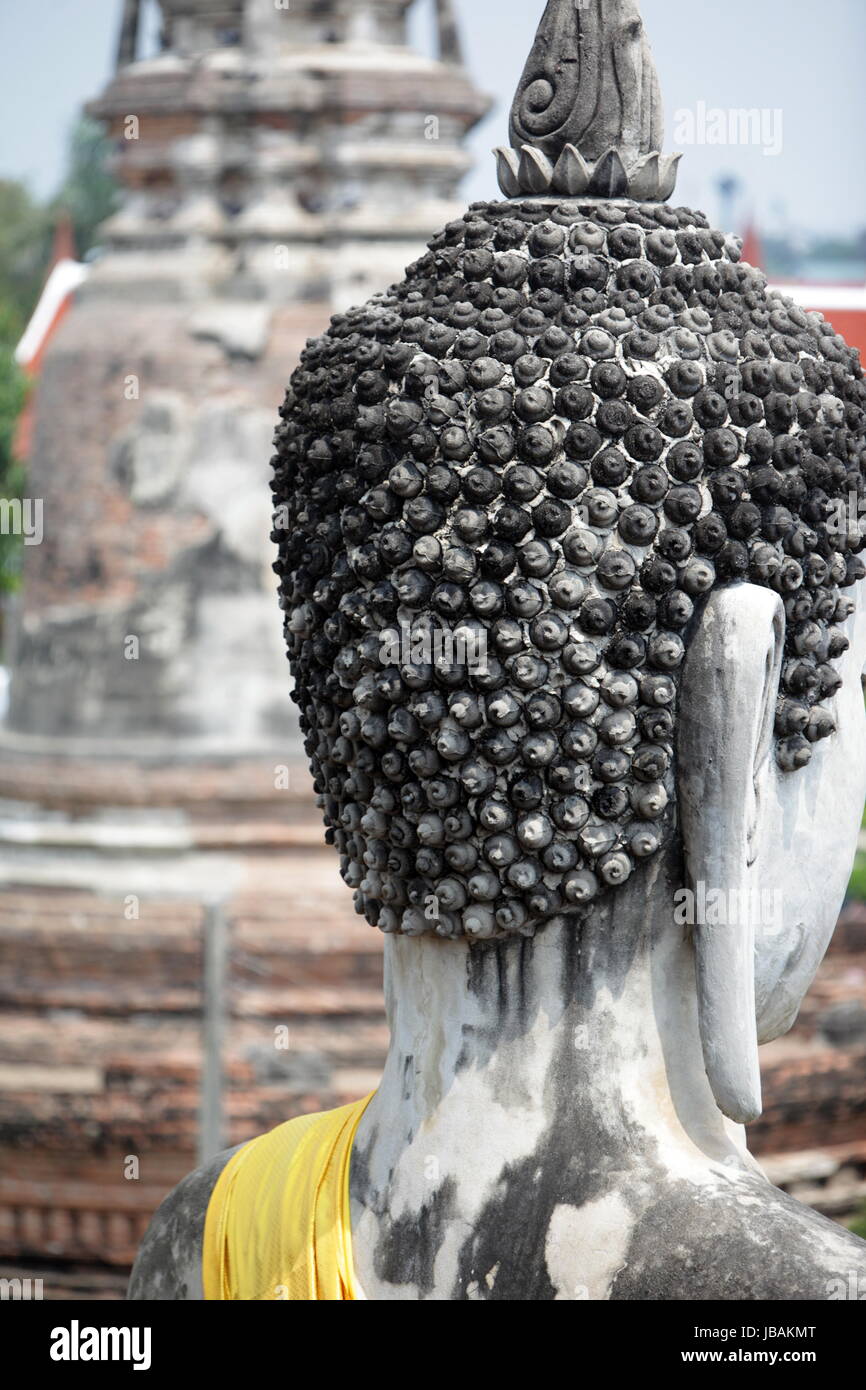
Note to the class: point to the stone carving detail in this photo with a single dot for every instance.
(556, 437)
(587, 115)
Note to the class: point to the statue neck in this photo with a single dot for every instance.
(527, 1076)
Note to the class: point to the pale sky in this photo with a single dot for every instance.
(802, 63)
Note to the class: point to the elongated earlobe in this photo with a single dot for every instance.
(727, 709)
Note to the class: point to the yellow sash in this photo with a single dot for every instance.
(278, 1223)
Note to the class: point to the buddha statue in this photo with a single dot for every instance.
(568, 554)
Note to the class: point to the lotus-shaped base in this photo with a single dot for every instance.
(650, 179)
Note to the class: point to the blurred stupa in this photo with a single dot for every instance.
(276, 160)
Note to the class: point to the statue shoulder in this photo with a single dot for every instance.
(747, 1241)
(168, 1264)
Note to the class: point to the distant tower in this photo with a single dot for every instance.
(729, 188)
(278, 161)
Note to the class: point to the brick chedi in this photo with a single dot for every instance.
(274, 162)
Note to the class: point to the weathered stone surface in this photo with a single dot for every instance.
(505, 493)
(587, 116)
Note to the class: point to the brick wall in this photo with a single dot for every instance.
(101, 1055)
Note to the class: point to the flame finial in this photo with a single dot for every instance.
(587, 114)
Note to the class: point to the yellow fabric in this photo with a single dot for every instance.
(278, 1224)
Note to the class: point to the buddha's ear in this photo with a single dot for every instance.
(727, 706)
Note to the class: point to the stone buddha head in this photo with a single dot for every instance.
(568, 529)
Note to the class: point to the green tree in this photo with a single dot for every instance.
(25, 244)
(25, 235)
(89, 192)
(858, 1225)
(13, 391)
(88, 195)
